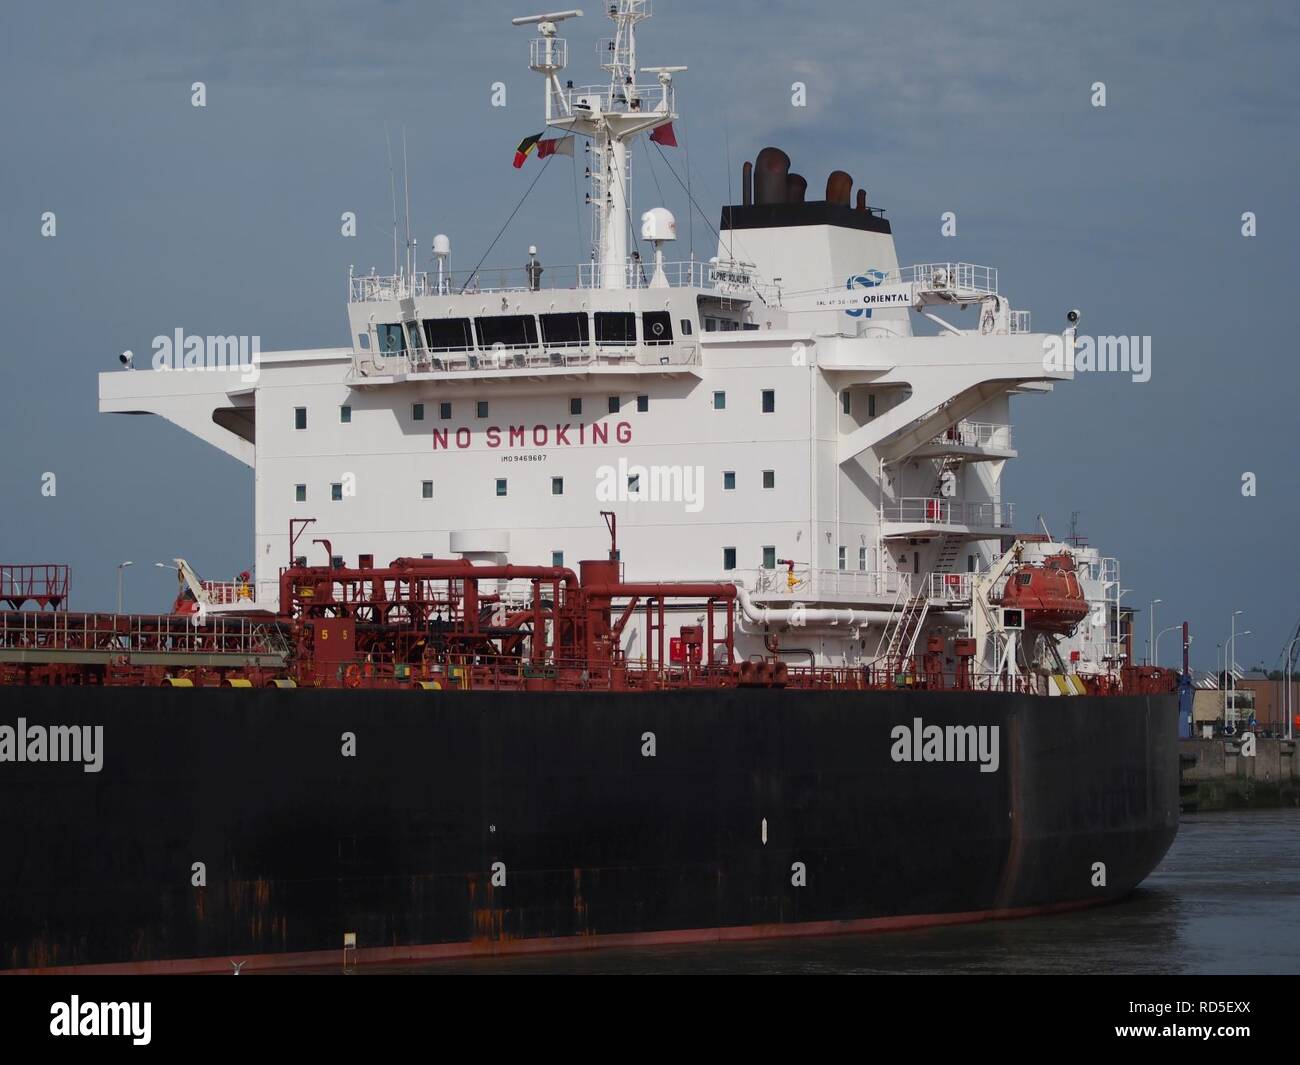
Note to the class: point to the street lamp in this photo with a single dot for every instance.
(1230, 666)
(121, 566)
(1151, 639)
(1155, 653)
(1290, 710)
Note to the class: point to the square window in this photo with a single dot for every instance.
(643, 403)
(336, 492)
(846, 402)
(345, 414)
(557, 558)
(575, 406)
(769, 558)
(426, 489)
(482, 408)
(769, 478)
(728, 558)
(719, 401)
(769, 401)
(300, 417)
(614, 405)
(444, 411)
(300, 493)
(417, 412)
(557, 486)
(728, 480)
(501, 486)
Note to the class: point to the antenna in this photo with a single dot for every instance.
(392, 193)
(406, 180)
(541, 20)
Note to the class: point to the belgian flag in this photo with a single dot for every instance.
(526, 146)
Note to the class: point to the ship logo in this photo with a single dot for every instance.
(866, 279)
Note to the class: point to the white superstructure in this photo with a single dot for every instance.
(766, 417)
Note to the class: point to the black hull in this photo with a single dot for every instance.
(397, 844)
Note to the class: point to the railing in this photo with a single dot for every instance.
(126, 633)
(955, 587)
(810, 584)
(369, 364)
(373, 288)
(959, 279)
(931, 511)
(976, 434)
(44, 583)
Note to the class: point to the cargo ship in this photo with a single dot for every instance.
(635, 602)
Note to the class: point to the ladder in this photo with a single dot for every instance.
(904, 633)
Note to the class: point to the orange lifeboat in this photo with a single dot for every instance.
(1049, 594)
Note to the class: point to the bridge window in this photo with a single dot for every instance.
(687, 327)
(508, 330)
(615, 328)
(657, 327)
(300, 417)
(391, 338)
(565, 330)
(448, 334)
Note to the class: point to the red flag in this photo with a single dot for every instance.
(664, 135)
(525, 147)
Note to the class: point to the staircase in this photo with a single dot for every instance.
(903, 635)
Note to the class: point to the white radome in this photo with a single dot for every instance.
(658, 223)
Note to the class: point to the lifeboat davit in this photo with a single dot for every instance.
(1049, 594)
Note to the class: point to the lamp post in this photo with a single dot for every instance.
(1290, 710)
(121, 566)
(1230, 667)
(1155, 652)
(1151, 638)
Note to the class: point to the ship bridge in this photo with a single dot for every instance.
(538, 322)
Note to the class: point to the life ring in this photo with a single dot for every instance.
(352, 676)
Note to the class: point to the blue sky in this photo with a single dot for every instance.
(226, 220)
